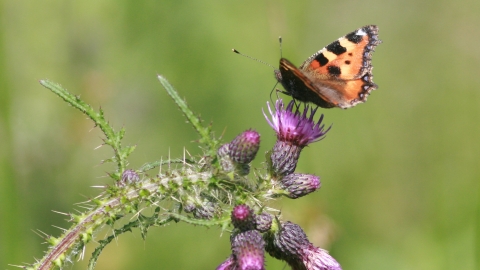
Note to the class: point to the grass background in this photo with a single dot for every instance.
(400, 174)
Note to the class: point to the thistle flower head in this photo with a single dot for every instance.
(294, 126)
(295, 130)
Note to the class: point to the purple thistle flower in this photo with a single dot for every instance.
(291, 244)
(295, 130)
(298, 185)
(295, 127)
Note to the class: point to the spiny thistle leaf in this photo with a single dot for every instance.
(112, 138)
(205, 132)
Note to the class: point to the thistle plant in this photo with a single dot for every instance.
(215, 189)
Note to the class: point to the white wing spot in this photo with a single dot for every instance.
(360, 32)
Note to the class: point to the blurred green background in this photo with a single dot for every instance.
(400, 174)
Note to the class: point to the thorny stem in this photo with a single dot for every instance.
(99, 217)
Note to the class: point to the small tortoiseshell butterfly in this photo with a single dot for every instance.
(339, 75)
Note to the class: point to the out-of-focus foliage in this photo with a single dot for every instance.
(400, 174)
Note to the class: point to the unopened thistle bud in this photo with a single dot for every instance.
(244, 147)
(128, 177)
(243, 217)
(248, 250)
(225, 161)
(291, 244)
(189, 207)
(205, 211)
(298, 185)
(263, 222)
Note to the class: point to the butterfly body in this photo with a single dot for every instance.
(339, 75)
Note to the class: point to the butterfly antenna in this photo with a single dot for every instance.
(255, 59)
